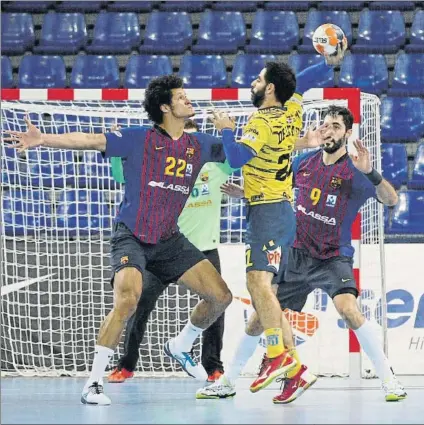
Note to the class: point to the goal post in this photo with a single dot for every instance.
(57, 208)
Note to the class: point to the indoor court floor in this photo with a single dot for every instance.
(172, 401)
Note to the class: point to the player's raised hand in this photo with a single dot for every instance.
(314, 136)
(337, 58)
(232, 190)
(221, 120)
(362, 160)
(24, 140)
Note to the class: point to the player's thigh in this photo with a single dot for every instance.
(213, 256)
(335, 276)
(271, 229)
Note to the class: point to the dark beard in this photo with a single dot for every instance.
(258, 98)
(336, 145)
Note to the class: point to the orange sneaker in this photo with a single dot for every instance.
(119, 375)
(296, 386)
(271, 369)
(214, 376)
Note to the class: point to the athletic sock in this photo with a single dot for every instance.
(102, 356)
(274, 342)
(185, 339)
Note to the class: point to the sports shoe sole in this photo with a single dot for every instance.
(394, 397)
(216, 397)
(281, 371)
(295, 396)
(168, 353)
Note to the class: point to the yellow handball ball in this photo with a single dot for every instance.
(326, 38)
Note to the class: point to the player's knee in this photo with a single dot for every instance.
(224, 298)
(350, 314)
(127, 291)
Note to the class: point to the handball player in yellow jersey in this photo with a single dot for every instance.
(263, 152)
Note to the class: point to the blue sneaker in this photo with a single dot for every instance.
(186, 361)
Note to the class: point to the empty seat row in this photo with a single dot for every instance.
(219, 32)
(395, 165)
(368, 72)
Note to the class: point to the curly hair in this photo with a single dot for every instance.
(283, 78)
(159, 92)
(334, 110)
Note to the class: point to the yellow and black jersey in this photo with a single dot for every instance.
(271, 133)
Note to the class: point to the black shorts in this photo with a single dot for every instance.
(168, 260)
(304, 273)
(270, 232)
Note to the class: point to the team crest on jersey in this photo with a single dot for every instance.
(204, 177)
(124, 260)
(190, 153)
(331, 201)
(336, 182)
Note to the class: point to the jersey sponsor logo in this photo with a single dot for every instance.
(189, 152)
(250, 137)
(159, 148)
(306, 174)
(256, 198)
(205, 189)
(117, 133)
(274, 257)
(336, 182)
(174, 187)
(316, 216)
(331, 201)
(189, 170)
(199, 204)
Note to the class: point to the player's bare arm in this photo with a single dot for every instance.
(385, 191)
(313, 138)
(33, 138)
(233, 190)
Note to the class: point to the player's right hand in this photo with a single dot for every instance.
(24, 140)
(337, 58)
(232, 190)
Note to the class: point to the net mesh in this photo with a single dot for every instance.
(57, 209)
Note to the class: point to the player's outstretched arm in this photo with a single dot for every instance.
(384, 190)
(313, 138)
(33, 138)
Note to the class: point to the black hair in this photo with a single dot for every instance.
(283, 78)
(345, 113)
(159, 92)
(189, 124)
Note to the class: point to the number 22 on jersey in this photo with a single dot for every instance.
(175, 167)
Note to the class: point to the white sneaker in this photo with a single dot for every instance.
(394, 390)
(222, 388)
(186, 361)
(94, 395)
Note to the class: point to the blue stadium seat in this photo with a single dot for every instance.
(183, 6)
(26, 212)
(368, 72)
(391, 5)
(95, 172)
(82, 212)
(17, 33)
(80, 6)
(317, 18)
(115, 32)
(417, 34)
(394, 163)
(220, 32)
(167, 32)
(350, 6)
(142, 68)
(300, 62)
(408, 79)
(62, 33)
(273, 32)
(237, 6)
(6, 73)
(380, 32)
(51, 168)
(408, 214)
(27, 6)
(247, 68)
(293, 6)
(203, 71)
(95, 72)
(130, 6)
(417, 179)
(402, 119)
(42, 72)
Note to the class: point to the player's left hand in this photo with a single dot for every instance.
(232, 190)
(314, 136)
(362, 160)
(337, 58)
(221, 120)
